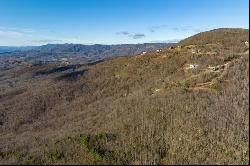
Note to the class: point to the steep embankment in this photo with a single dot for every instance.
(186, 104)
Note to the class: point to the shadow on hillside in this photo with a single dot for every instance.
(71, 76)
(95, 62)
(68, 68)
(11, 94)
(58, 69)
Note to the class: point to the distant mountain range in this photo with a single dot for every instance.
(120, 49)
(99, 50)
(72, 53)
(4, 49)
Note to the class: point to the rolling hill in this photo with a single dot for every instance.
(184, 104)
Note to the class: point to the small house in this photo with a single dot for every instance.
(193, 66)
(246, 43)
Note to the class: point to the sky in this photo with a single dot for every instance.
(38, 22)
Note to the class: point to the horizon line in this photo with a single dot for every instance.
(86, 44)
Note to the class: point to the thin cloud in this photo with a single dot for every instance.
(175, 28)
(157, 27)
(183, 28)
(137, 35)
(46, 41)
(198, 30)
(123, 33)
(8, 33)
(166, 41)
(132, 35)
(28, 30)
(186, 28)
(14, 32)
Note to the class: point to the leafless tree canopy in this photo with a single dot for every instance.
(144, 109)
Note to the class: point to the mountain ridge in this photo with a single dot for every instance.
(184, 104)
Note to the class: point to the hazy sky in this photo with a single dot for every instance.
(37, 22)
